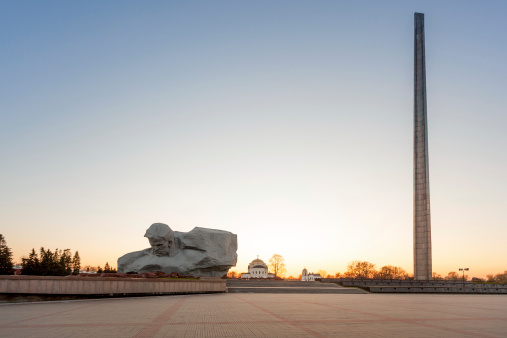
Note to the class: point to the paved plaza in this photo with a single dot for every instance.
(261, 315)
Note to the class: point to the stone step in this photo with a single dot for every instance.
(429, 289)
(271, 283)
(307, 290)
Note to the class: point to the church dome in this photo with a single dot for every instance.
(305, 272)
(257, 263)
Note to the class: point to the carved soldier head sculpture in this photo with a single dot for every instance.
(161, 239)
(200, 252)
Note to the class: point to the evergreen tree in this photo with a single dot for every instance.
(65, 266)
(56, 269)
(99, 269)
(31, 265)
(46, 262)
(58, 263)
(108, 268)
(5, 258)
(76, 264)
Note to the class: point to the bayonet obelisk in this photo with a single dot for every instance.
(422, 221)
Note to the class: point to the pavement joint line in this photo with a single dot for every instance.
(283, 287)
(94, 299)
(50, 314)
(303, 321)
(151, 329)
(283, 319)
(404, 320)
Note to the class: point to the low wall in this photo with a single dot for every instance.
(471, 290)
(412, 286)
(49, 285)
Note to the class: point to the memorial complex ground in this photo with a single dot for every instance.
(261, 315)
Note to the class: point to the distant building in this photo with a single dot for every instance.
(257, 269)
(309, 277)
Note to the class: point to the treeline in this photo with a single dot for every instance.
(107, 268)
(367, 270)
(499, 278)
(48, 263)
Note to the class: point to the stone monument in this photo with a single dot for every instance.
(200, 253)
(422, 222)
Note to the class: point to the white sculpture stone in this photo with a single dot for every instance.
(200, 252)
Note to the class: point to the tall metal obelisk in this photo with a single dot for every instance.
(422, 221)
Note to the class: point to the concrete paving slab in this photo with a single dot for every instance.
(261, 315)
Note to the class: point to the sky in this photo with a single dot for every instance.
(288, 123)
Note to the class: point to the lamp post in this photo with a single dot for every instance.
(463, 269)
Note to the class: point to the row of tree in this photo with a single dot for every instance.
(48, 263)
(499, 278)
(107, 269)
(367, 270)
(364, 270)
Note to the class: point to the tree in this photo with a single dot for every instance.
(391, 272)
(65, 266)
(31, 265)
(232, 274)
(322, 273)
(76, 264)
(6, 266)
(499, 278)
(277, 265)
(45, 261)
(108, 268)
(361, 270)
(454, 276)
(437, 276)
(58, 263)
(337, 275)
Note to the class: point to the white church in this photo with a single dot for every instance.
(309, 277)
(257, 269)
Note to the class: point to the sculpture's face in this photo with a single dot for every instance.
(160, 247)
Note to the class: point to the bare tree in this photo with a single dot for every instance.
(232, 274)
(437, 276)
(391, 272)
(499, 278)
(277, 265)
(359, 269)
(322, 273)
(453, 275)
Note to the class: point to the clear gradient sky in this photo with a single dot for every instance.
(289, 123)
